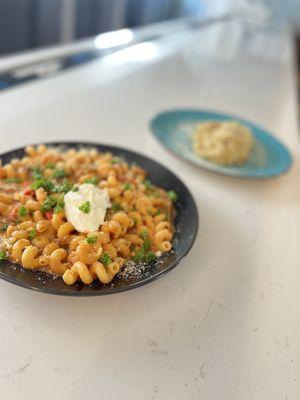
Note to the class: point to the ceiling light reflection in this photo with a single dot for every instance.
(114, 39)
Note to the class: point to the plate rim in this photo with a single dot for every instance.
(132, 286)
(212, 169)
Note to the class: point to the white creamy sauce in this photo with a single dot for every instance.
(99, 203)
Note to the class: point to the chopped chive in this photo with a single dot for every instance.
(37, 173)
(93, 181)
(147, 245)
(50, 166)
(127, 186)
(144, 254)
(59, 173)
(31, 234)
(48, 204)
(3, 227)
(149, 257)
(148, 184)
(65, 187)
(91, 239)
(105, 259)
(59, 204)
(173, 196)
(141, 256)
(132, 247)
(44, 183)
(144, 235)
(22, 211)
(3, 256)
(116, 207)
(85, 207)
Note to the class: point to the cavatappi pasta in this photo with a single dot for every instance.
(35, 232)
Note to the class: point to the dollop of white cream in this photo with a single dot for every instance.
(99, 203)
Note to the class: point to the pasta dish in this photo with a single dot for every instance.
(225, 143)
(81, 214)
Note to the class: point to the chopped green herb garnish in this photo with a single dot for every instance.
(132, 247)
(3, 256)
(37, 173)
(44, 183)
(53, 202)
(38, 183)
(22, 211)
(141, 256)
(91, 239)
(147, 244)
(148, 184)
(50, 166)
(115, 160)
(93, 181)
(3, 227)
(59, 173)
(85, 207)
(158, 212)
(13, 180)
(59, 204)
(149, 257)
(31, 234)
(65, 187)
(58, 209)
(127, 186)
(173, 196)
(144, 235)
(49, 203)
(75, 189)
(116, 207)
(144, 254)
(105, 259)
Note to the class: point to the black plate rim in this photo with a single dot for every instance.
(109, 147)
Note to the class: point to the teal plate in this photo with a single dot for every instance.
(174, 129)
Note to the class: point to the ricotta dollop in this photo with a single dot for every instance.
(99, 202)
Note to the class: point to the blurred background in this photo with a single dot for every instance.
(34, 23)
(29, 24)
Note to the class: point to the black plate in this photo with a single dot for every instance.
(186, 225)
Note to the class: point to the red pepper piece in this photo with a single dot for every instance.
(49, 214)
(29, 192)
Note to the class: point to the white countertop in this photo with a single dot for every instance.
(225, 323)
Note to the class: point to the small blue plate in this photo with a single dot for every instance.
(174, 129)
